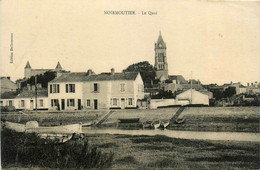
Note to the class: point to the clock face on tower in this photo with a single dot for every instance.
(160, 45)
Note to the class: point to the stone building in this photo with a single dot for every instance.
(28, 71)
(161, 64)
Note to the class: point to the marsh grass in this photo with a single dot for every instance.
(127, 160)
(153, 152)
(28, 150)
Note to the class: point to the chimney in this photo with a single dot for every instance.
(39, 86)
(112, 71)
(8, 77)
(89, 73)
(231, 82)
(252, 84)
(247, 84)
(29, 87)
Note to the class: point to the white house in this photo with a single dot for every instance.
(76, 91)
(25, 100)
(192, 96)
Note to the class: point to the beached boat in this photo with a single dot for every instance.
(161, 125)
(148, 125)
(89, 124)
(17, 127)
(33, 127)
(180, 120)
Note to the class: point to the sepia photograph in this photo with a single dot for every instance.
(138, 84)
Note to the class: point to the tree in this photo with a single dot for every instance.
(146, 70)
(230, 91)
(42, 79)
(164, 95)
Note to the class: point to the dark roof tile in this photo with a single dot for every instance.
(80, 77)
(31, 93)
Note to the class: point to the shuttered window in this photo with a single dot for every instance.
(70, 88)
(70, 102)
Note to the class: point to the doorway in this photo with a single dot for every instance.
(62, 104)
(122, 103)
(31, 104)
(79, 104)
(95, 104)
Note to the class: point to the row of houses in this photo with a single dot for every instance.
(85, 90)
(81, 91)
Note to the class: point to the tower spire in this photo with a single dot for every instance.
(28, 65)
(58, 67)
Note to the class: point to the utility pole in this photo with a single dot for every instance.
(36, 93)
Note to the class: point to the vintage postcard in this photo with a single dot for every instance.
(130, 84)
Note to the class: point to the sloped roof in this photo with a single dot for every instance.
(9, 95)
(178, 78)
(193, 90)
(80, 77)
(31, 93)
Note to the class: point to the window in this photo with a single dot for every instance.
(10, 103)
(96, 87)
(70, 88)
(70, 102)
(122, 87)
(88, 103)
(41, 102)
(1, 103)
(130, 101)
(54, 102)
(114, 101)
(22, 103)
(54, 88)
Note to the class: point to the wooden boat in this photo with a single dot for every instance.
(32, 127)
(180, 120)
(130, 120)
(161, 125)
(17, 127)
(148, 125)
(89, 124)
(73, 128)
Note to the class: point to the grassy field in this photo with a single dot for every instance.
(234, 119)
(52, 119)
(164, 152)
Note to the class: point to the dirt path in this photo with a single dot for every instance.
(232, 136)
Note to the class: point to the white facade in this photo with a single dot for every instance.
(102, 94)
(61, 98)
(26, 103)
(193, 96)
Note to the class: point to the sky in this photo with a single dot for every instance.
(218, 42)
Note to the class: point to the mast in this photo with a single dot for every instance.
(191, 88)
(36, 93)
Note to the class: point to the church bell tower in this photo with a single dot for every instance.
(161, 65)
